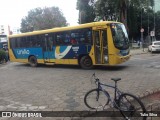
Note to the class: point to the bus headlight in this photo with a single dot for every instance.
(123, 52)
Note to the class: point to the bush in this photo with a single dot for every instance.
(3, 55)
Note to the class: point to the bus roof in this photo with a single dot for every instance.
(59, 29)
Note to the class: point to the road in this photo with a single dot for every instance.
(62, 88)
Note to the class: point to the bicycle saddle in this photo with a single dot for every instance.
(115, 79)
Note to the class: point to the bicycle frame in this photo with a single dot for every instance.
(119, 101)
(117, 91)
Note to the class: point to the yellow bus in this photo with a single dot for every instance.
(87, 45)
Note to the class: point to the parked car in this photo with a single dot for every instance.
(154, 46)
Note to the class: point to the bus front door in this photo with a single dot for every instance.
(48, 49)
(101, 46)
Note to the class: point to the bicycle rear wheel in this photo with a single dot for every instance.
(96, 99)
(131, 107)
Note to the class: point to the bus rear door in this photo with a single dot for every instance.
(48, 48)
(101, 46)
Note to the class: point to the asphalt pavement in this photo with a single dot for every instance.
(20, 93)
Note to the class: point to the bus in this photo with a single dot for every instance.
(87, 45)
(3, 42)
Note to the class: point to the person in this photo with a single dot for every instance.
(138, 43)
(3, 56)
(7, 55)
(73, 41)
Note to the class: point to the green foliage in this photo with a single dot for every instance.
(126, 11)
(43, 18)
(86, 11)
(157, 27)
(105, 9)
(2, 55)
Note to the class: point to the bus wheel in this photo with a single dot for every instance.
(33, 61)
(86, 62)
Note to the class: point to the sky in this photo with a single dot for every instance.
(12, 11)
(157, 5)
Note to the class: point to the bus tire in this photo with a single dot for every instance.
(33, 61)
(86, 62)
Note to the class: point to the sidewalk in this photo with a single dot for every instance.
(139, 51)
(151, 100)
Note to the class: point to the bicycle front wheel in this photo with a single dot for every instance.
(96, 99)
(131, 107)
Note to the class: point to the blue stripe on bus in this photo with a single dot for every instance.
(24, 53)
(72, 53)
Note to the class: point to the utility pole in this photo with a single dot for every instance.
(80, 17)
(148, 17)
(154, 23)
(142, 30)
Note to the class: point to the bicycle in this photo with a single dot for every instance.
(126, 103)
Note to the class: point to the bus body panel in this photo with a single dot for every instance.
(58, 55)
(71, 54)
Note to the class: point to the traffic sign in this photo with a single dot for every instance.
(152, 33)
(142, 30)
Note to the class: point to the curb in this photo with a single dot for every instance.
(138, 51)
(155, 103)
(143, 96)
(2, 64)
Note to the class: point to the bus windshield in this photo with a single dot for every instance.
(120, 36)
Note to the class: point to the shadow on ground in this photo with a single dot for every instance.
(104, 68)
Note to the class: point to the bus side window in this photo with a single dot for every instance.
(81, 36)
(104, 38)
(23, 40)
(41, 40)
(67, 38)
(33, 41)
(59, 39)
(88, 36)
(97, 42)
(38, 41)
(84, 36)
(74, 37)
(28, 42)
(13, 43)
(18, 42)
(50, 42)
(53, 39)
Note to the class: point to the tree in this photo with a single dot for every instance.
(43, 18)
(86, 11)
(157, 27)
(126, 11)
(105, 10)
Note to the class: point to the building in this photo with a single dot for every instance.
(2, 30)
(7, 30)
(3, 37)
(15, 30)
